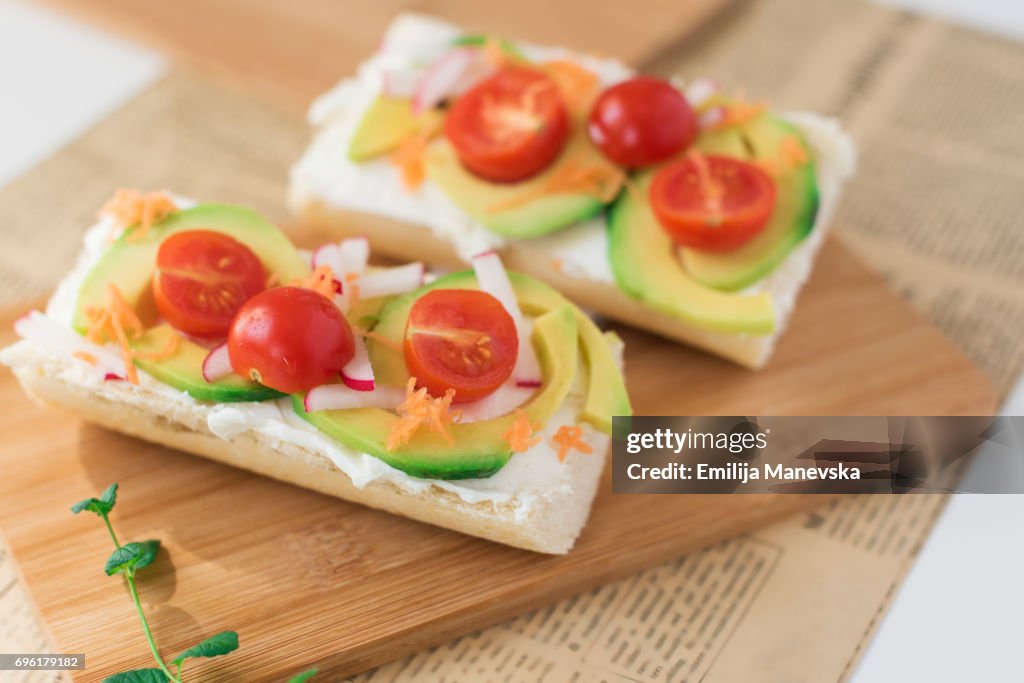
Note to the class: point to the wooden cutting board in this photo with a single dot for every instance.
(310, 580)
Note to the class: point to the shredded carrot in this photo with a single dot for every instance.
(418, 409)
(85, 356)
(578, 84)
(737, 113)
(411, 152)
(377, 337)
(496, 54)
(115, 322)
(792, 154)
(558, 264)
(321, 280)
(568, 438)
(169, 350)
(601, 180)
(519, 436)
(140, 209)
(273, 280)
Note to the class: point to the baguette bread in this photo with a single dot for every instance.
(346, 198)
(535, 502)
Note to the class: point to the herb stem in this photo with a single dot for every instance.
(106, 520)
(130, 577)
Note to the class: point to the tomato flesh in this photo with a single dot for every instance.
(641, 122)
(509, 126)
(712, 203)
(290, 339)
(202, 278)
(460, 339)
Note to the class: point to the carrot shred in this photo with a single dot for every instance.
(273, 280)
(496, 55)
(737, 113)
(411, 153)
(519, 436)
(116, 322)
(601, 180)
(86, 356)
(139, 209)
(419, 408)
(568, 438)
(170, 348)
(352, 282)
(791, 154)
(377, 337)
(577, 83)
(321, 280)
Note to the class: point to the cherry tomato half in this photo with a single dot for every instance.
(202, 278)
(461, 339)
(642, 121)
(290, 339)
(509, 126)
(713, 203)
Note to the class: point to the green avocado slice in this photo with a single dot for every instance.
(184, 370)
(792, 220)
(483, 200)
(478, 448)
(645, 265)
(130, 265)
(606, 389)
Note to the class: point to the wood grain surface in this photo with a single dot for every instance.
(307, 579)
(293, 50)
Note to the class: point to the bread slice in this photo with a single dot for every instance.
(546, 520)
(345, 198)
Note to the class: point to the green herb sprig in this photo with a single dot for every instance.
(128, 559)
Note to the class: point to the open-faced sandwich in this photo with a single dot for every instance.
(480, 400)
(683, 210)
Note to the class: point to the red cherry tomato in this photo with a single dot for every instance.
(713, 203)
(202, 278)
(461, 339)
(641, 122)
(510, 126)
(290, 339)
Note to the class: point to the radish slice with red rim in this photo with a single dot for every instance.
(493, 279)
(452, 73)
(699, 90)
(391, 281)
(340, 397)
(328, 255)
(353, 253)
(40, 329)
(358, 373)
(217, 364)
(401, 82)
(503, 401)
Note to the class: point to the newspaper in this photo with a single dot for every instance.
(934, 207)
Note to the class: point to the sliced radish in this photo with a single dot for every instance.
(353, 253)
(217, 364)
(401, 82)
(700, 90)
(112, 377)
(328, 255)
(340, 397)
(711, 117)
(357, 373)
(441, 78)
(503, 401)
(391, 281)
(493, 279)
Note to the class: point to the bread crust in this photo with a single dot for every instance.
(551, 525)
(410, 242)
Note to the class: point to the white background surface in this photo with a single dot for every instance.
(957, 618)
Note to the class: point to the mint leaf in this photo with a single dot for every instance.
(214, 646)
(303, 677)
(102, 505)
(132, 556)
(138, 676)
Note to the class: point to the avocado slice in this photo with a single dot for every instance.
(544, 214)
(387, 122)
(130, 265)
(606, 389)
(479, 448)
(645, 265)
(792, 220)
(184, 370)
